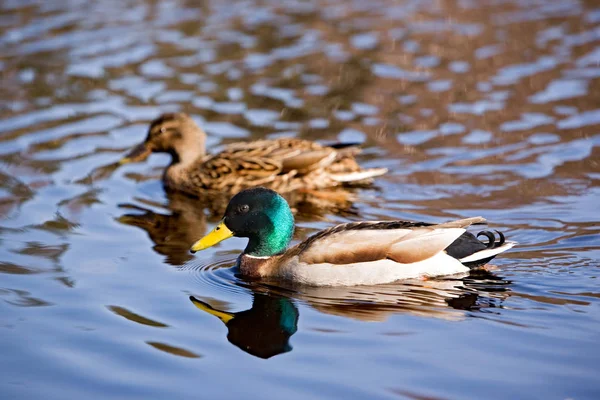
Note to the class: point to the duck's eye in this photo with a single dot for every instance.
(244, 209)
(163, 129)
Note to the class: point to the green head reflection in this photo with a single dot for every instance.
(264, 330)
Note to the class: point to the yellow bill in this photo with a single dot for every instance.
(218, 234)
(222, 315)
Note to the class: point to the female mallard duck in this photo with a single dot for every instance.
(357, 253)
(281, 164)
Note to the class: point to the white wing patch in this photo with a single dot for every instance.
(487, 253)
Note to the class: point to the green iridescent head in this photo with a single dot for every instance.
(259, 214)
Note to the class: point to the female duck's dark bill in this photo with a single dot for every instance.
(218, 234)
(137, 154)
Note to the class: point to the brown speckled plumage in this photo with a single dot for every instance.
(283, 165)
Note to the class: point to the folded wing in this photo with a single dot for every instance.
(399, 241)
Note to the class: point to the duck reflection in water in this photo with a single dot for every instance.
(449, 298)
(171, 232)
(264, 330)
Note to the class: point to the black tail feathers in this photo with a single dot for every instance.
(340, 145)
(492, 243)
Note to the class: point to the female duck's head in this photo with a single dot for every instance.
(173, 133)
(259, 214)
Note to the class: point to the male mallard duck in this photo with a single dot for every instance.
(357, 253)
(281, 164)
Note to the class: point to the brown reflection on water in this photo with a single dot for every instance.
(174, 350)
(132, 316)
(172, 233)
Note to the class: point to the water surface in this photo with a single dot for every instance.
(477, 108)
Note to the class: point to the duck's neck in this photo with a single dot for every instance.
(266, 247)
(188, 150)
(271, 240)
(257, 267)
